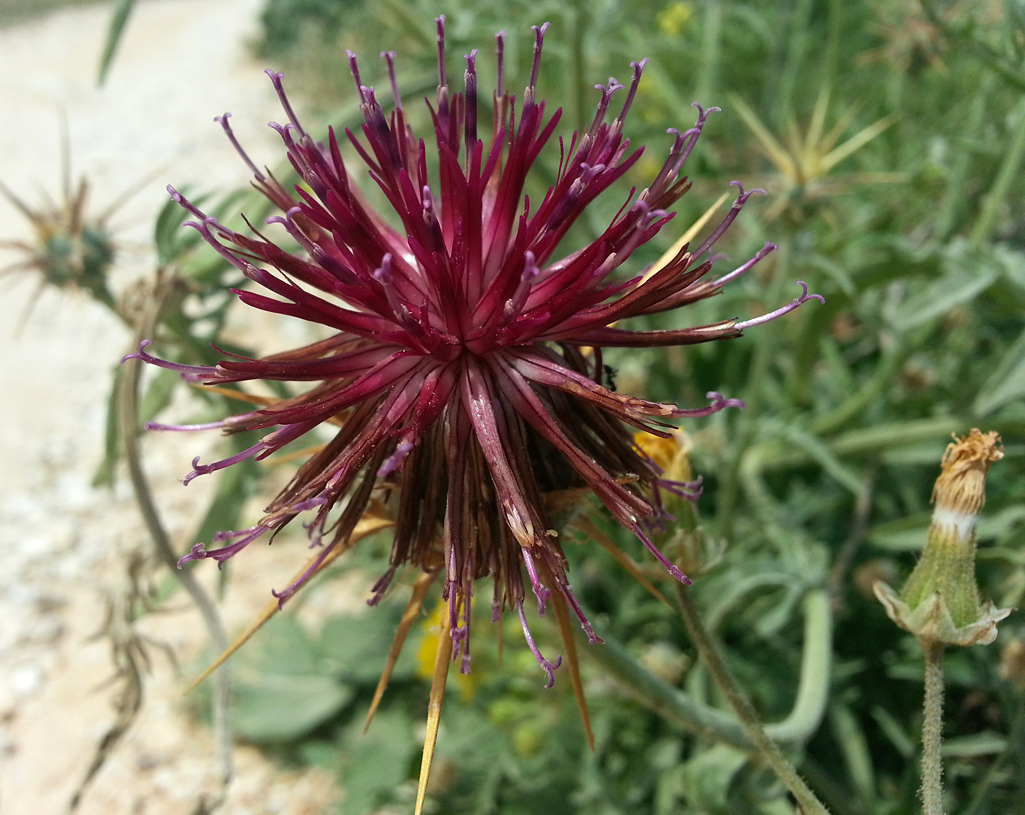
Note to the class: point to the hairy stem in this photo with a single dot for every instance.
(932, 730)
(766, 747)
(675, 706)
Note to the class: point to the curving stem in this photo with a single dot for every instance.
(128, 419)
(765, 747)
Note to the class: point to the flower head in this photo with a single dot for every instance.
(461, 370)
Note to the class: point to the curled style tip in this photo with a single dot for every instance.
(743, 195)
(720, 402)
(717, 402)
(276, 78)
(793, 304)
(226, 127)
(638, 69)
(139, 353)
(548, 667)
(198, 552)
(189, 372)
(704, 112)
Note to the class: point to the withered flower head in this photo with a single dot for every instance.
(461, 368)
(940, 601)
(960, 490)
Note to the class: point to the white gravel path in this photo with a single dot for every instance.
(63, 543)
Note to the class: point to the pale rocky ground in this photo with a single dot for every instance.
(63, 543)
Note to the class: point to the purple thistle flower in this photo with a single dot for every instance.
(462, 362)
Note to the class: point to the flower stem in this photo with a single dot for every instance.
(128, 418)
(807, 801)
(677, 707)
(932, 730)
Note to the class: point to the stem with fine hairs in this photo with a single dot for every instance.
(932, 729)
(766, 748)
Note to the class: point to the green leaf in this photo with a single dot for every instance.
(902, 535)
(158, 395)
(1001, 523)
(709, 775)
(122, 10)
(282, 687)
(104, 475)
(819, 452)
(780, 615)
(1014, 268)
(895, 732)
(358, 645)
(986, 743)
(908, 534)
(721, 603)
(854, 747)
(1007, 381)
(374, 763)
(967, 271)
(939, 297)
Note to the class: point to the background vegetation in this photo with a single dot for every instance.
(890, 136)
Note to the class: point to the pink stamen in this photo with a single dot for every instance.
(223, 122)
(540, 591)
(673, 569)
(276, 79)
(638, 70)
(549, 667)
(389, 57)
(535, 68)
(442, 80)
(772, 315)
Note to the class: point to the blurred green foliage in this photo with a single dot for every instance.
(916, 237)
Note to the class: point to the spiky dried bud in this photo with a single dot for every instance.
(71, 248)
